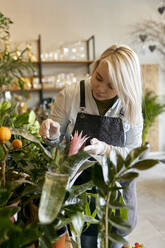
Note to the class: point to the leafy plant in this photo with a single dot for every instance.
(24, 172)
(110, 180)
(25, 175)
(11, 68)
(151, 108)
(4, 27)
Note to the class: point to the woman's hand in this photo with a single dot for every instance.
(50, 129)
(97, 147)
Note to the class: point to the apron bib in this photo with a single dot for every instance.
(104, 128)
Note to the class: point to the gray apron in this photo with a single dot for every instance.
(109, 130)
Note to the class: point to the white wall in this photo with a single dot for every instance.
(67, 20)
(60, 21)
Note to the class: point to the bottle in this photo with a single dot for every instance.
(52, 196)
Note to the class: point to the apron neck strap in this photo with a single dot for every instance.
(82, 95)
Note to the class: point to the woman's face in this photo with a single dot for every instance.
(102, 88)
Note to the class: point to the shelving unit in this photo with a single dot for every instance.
(40, 65)
(88, 62)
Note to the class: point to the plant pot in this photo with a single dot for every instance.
(61, 242)
(61, 233)
(64, 240)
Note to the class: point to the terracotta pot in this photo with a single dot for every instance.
(60, 243)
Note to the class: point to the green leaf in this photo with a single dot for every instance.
(123, 211)
(44, 242)
(117, 205)
(129, 176)
(77, 221)
(104, 162)
(50, 231)
(9, 211)
(16, 183)
(21, 120)
(6, 226)
(4, 109)
(120, 162)
(134, 154)
(145, 164)
(29, 190)
(72, 208)
(4, 106)
(98, 179)
(32, 117)
(90, 219)
(74, 165)
(77, 190)
(117, 239)
(87, 207)
(111, 170)
(22, 238)
(30, 138)
(118, 222)
(4, 196)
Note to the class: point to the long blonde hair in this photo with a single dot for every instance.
(125, 75)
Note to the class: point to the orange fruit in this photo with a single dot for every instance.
(5, 134)
(17, 144)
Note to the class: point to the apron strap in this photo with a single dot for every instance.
(82, 95)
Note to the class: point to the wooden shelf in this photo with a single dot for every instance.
(31, 90)
(54, 88)
(17, 90)
(66, 62)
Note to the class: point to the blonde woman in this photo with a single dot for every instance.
(107, 108)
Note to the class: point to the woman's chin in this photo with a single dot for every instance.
(99, 97)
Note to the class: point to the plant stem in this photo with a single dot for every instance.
(106, 220)
(4, 164)
(79, 242)
(56, 151)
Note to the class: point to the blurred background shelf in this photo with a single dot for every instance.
(66, 62)
(31, 90)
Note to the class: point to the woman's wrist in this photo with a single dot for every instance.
(108, 149)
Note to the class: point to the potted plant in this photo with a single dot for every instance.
(151, 109)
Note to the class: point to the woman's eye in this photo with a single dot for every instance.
(110, 87)
(99, 79)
